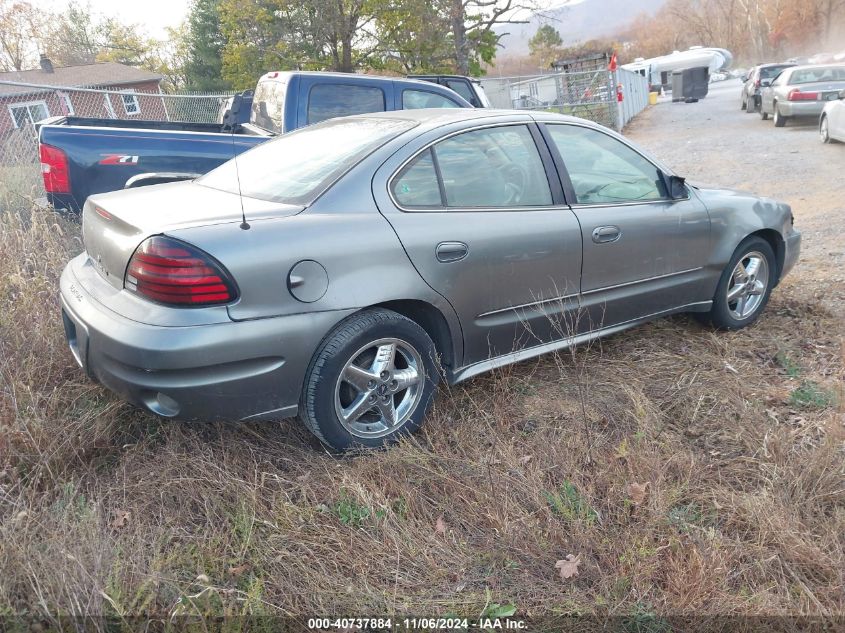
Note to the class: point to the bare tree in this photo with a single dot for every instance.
(20, 28)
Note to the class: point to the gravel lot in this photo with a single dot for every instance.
(715, 143)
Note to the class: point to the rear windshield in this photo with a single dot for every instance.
(770, 71)
(820, 73)
(297, 167)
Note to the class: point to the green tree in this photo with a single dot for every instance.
(204, 42)
(545, 46)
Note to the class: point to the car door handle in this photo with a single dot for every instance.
(606, 234)
(451, 252)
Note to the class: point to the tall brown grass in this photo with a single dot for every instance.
(738, 507)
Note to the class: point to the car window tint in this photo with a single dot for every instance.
(493, 168)
(771, 71)
(416, 99)
(327, 101)
(604, 170)
(461, 88)
(416, 185)
(295, 168)
(268, 105)
(811, 75)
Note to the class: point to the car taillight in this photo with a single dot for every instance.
(796, 95)
(171, 272)
(54, 169)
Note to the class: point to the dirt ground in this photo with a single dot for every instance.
(713, 142)
(670, 471)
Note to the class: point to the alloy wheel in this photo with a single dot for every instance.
(748, 284)
(380, 387)
(824, 131)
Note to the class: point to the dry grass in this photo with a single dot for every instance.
(105, 510)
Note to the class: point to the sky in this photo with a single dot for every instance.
(153, 15)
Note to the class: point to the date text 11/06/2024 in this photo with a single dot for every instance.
(417, 624)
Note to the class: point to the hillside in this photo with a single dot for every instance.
(577, 21)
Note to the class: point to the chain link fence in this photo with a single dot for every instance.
(22, 105)
(588, 94)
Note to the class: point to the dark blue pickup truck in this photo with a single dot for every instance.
(84, 156)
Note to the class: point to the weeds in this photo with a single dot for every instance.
(105, 510)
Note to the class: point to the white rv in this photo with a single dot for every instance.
(658, 70)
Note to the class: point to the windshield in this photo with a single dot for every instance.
(297, 167)
(816, 74)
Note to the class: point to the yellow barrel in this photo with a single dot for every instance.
(652, 98)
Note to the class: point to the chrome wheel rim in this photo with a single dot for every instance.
(823, 131)
(749, 281)
(379, 388)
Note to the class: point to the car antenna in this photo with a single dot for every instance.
(244, 223)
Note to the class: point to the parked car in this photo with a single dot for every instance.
(83, 156)
(758, 78)
(832, 120)
(801, 91)
(335, 272)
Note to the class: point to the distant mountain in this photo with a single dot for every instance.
(577, 21)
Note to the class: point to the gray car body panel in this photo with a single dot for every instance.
(528, 283)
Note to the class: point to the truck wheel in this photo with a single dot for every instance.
(370, 382)
(745, 285)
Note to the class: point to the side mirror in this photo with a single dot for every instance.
(765, 83)
(677, 187)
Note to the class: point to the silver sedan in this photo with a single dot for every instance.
(802, 91)
(339, 272)
(832, 120)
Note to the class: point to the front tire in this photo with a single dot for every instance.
(745, 285)
(824, 130)
(370, 382)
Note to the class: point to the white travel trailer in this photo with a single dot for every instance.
(658, 70)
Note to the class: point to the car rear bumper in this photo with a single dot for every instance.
(231, 371)
(801, 109)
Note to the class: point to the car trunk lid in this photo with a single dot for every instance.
(114, 224)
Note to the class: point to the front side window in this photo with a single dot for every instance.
(329, 101)
(491, 168)
(24, 114)
(603, 170)
(461, 88)
(416, 99)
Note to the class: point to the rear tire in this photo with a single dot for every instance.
(370, 382)
(751, 105)
(743, 290)
(779, 119)
(763, 114)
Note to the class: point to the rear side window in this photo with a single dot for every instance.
(416, 185)
(297, 167)
(491, 168)
(771, 71)
(328, 101)
(268, 105)
(415, 99)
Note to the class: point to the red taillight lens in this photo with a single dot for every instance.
(54, 169)
(796, 95)
(174, 273)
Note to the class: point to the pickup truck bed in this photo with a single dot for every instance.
(108, 154)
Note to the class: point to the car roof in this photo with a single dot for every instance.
(428, 118)
(354, 76)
